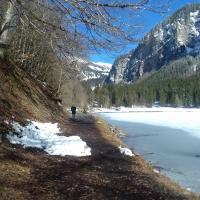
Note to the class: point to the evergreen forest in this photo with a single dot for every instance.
(176, 84)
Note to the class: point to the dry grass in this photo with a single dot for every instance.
(32, 174)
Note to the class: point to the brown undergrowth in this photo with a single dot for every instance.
(32, 174)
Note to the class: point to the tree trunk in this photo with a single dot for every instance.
(4, 28)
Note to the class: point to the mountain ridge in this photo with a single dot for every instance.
(93, 73)
(174, 38)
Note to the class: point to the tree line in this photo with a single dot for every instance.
(175, 84)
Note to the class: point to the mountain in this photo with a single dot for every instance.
(93, 73)
(175, 38)
(117, 71)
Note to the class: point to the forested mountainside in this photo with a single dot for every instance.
(176, 84)
(177, 37)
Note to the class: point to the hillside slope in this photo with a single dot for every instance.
(33, 174)
(23, 97)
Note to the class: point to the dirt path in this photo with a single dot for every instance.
(32, 174)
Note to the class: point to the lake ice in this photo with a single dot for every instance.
(169, 138)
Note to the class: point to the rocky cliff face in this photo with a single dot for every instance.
(176, 37)
(118, 68)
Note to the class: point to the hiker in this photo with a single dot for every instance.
(73, 109)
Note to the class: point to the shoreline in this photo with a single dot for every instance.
(144, 109)
(106, 174)
(156, 169)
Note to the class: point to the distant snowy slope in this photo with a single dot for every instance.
(106, 66)
(93, 72)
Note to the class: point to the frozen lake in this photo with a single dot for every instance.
(168, 138)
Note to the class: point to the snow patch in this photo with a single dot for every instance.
(105, 65)
(125, 151)
(194, 31)
(45, 136)
(156, 171)
(159, 34)
(194, 15)
(90, 75)
(95, 68)
(194, 68)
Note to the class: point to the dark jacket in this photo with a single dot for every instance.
(73, 109)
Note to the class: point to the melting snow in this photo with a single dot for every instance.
(125, 151)
(156, 171)
(45, 136)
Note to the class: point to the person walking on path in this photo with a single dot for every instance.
(73, 109)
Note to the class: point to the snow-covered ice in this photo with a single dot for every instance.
(169, 138)
(178, 118)
(125, 151)
(45, 136)
(143, 109)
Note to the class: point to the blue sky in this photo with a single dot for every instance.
(151, 20)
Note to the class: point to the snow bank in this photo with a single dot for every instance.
(45, 136)
(125, 151)
(156, 171)
(178, 118)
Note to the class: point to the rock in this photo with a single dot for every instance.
(118, 68)
(176, 37)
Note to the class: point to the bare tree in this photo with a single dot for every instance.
(97, 21)
(4, 26)
(44, 36)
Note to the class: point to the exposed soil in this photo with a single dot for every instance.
(107, 174)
